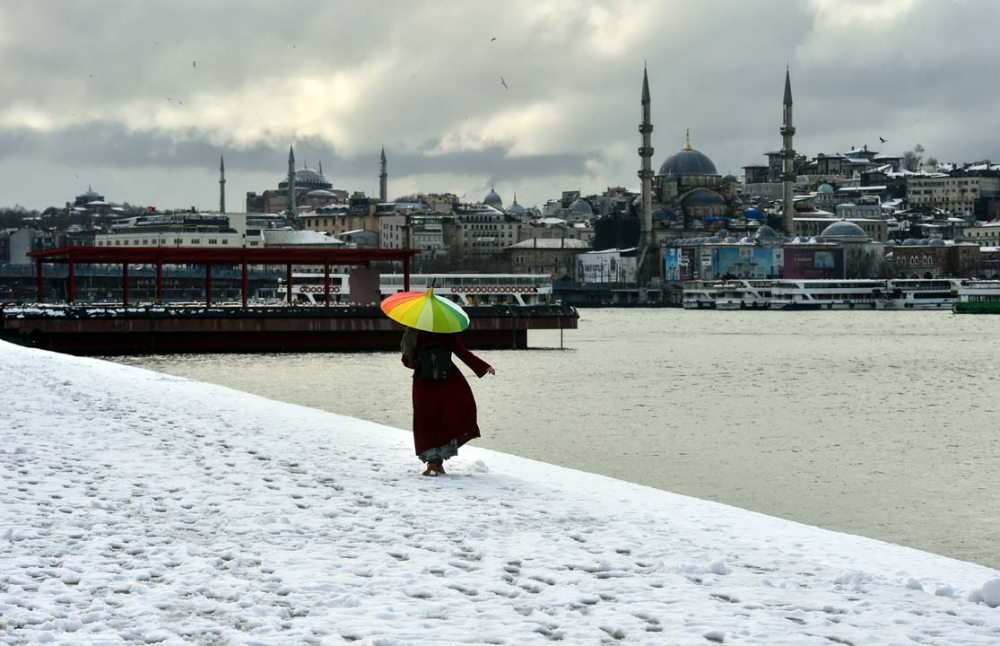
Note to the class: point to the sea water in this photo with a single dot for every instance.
(885, 424)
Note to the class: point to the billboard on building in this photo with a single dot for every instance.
(605, 267)
(743, 262)
(816, 263)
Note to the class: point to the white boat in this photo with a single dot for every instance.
(467, 289)
(922, 294)
(701, 295)
(828, 294)
(745, 294)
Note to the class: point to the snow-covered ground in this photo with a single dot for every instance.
(141, 508)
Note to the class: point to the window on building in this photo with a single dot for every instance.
(195, 240)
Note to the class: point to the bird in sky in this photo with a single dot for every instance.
(194, 63)
(883, 140)
(504, 83)
(492, 39)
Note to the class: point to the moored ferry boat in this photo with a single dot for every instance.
(745, 294)
(981, 297)
(922, 294)
(828, 294)
(701, 295)
(467, 289)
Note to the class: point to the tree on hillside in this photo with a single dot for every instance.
(912, 159)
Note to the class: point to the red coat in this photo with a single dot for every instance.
(445, 410)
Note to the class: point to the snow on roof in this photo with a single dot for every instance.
(550, 243)
(282, 237)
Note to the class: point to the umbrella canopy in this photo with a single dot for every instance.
(425, 311)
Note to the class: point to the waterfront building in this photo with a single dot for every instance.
(553, 256)
(985, 235)
(936, 258)
(956, 192)
(483, 234)
(360, 212)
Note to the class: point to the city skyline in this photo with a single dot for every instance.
(141, 102)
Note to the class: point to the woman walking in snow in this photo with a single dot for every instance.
(444, 410)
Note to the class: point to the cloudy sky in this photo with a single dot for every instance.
(139, 98)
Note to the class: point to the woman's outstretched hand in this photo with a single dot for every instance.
(491, 371)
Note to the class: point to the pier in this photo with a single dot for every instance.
(162, 327)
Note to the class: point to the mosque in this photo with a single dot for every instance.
(303, 189)
(690, 196)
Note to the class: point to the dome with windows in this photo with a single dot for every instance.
(703, 197)
(825, 189)
(844, 231)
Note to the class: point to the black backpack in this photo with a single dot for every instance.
(433, 362)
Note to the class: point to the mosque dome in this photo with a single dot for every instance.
(516, 209)
(729, 179)
(910, 242)
(307, 178)
(844, 231)
(825, 188)
(581, 207)
(923, 242)
(766, 233)
(937, 242)
(492, 199)
(687, 162)
(703, 197)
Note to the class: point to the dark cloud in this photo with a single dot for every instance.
(86, 84)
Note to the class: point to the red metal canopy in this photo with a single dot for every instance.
(214, 256)
(242, 256)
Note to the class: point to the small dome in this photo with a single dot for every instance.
(753, 214)
(516, 209)
(696, 224)
(663, 214)
(766, 233)
(825, 188)
(492, 199)
(843, 230)
(703, 197)
(923, 242)
(729, 179)
(746, 240)
(722, 233)
(731, 240)
(910, 242)
(581, 207)
(938, 242)
(816, 240)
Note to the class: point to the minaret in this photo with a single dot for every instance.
(646, 175)
(222, 184)
(788, 156)
(291, 180)
(383, 179)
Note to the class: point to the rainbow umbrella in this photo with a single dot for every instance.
(425, 311)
